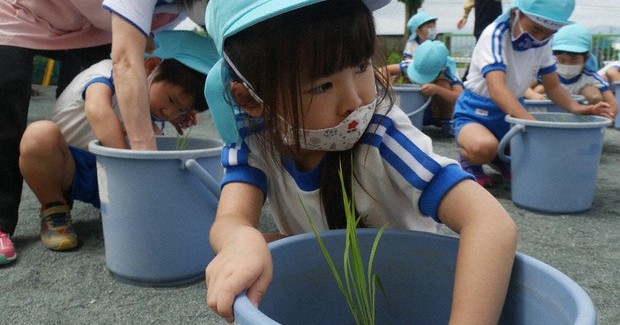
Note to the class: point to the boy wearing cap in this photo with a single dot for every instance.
(54, 159)
(435, 71)
(510, 53)
(422, 26)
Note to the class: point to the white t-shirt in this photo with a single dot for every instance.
(494, 52)
(609, 66)
(399, 179)
(68, 111)
(586, 78)
(147, 15)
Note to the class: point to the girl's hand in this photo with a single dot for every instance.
(184, 121)
(429, 89)
(600, 109)
(245, 263)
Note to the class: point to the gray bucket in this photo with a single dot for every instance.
(616, 87)
(412, 102)
(417, 272)
(547, 106)
(157, 208)
(554, 160)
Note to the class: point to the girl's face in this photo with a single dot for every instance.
(329, 100)
(423, 31)
(168, 101)
(570, 59)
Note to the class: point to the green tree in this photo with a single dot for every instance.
(411, 8)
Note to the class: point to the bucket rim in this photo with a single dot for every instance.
(577, 98)
(407, 87)
(597, 122)
(99, 150)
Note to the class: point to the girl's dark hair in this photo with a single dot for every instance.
(308, 43)
(192, 81)
(584, 54)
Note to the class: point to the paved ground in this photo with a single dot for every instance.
(45, 287)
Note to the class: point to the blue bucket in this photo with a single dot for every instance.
(417, 271)
(547, 106)
(616, 88)
(412, 102)
(157, 208)
(554, 160)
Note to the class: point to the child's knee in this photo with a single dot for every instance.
(40, 136)
(591, 93)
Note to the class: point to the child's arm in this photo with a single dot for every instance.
(503, 96)
(243, 260)
(487, 245)
(609, 98)
(101, 116)
(560, 96)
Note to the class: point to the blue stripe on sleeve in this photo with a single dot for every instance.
(547, 70)
(493, 67)
(440, 185)
(102, 80)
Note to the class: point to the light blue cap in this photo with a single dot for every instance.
(551, 14)
(193, 50)
(429, 59)
(572, 38)
(225, 18)
(418, 20)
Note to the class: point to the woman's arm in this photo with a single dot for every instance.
(243, 260)
(101, 116)
(503, 97)
(487, 245)
(128, 46)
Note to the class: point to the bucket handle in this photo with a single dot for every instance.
(212, 185)
(501, 148)
(421, 108)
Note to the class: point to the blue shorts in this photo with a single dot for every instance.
(84, 186)
(473, 108)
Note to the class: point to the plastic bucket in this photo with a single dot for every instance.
(157, 208)
(554, 160)
(417, 271)
(547, 106)
(412, 102)
(617, 94)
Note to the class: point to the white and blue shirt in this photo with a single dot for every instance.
(494, 52)
(141, 13)
(586, 78)
(399, 179)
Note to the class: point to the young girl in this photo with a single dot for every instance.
(510, 53)
(306, 100)
(422, 26)
(54, 157)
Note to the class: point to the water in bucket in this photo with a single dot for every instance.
(157, 208)
(412, 102)
(547, 106)
(554, 160)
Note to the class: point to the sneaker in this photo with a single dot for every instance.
(56, 228)
(447, 129)
(476, 171)
(7, 250)
(502, 167)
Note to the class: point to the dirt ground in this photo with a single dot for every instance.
(45, 287)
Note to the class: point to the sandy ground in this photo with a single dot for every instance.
(45, 287)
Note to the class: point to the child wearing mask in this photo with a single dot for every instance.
(510, 53)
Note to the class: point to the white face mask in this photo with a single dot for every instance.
(432, 33)
(338, 138)
(569, 71)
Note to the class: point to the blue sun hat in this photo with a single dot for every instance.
(418, 20)
(430, 58)
(551, 14)
(193, 50)
(226, 18)
(573, 38)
